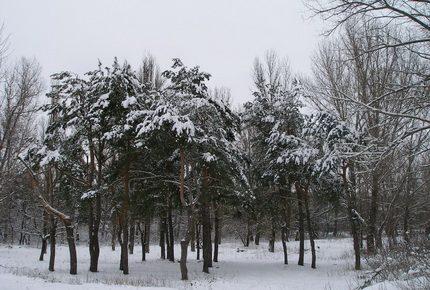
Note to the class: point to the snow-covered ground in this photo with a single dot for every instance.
(254, 268)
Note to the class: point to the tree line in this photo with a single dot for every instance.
(344, 150)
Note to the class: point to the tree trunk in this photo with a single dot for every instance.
(171, 248)
(216, 228)
(113, 231)
(162, 242)
(52, 241)
(72, 247)
(272, 236)
(284, 244)
(142, 241)
(310, 228)
(301, 228)
(44, 235)
(198, 243)
(193, 238)
(124, 222)
(132, 231)
(93, 227)
(184, 245)
(336, 210)
(206, 237)
(257, 236)
(147, 232)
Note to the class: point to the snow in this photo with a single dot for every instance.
(14, 282)
(252, 268)
(130, 100)
(88, 194)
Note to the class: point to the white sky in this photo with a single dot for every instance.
(223, 37)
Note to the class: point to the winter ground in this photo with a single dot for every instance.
(254, 268)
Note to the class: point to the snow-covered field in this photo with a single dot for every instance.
(254, 268)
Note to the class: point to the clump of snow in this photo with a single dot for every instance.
(208, 157)
(130, 100)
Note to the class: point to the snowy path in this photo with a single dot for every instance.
(255, 268)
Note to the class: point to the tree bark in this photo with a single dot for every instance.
(310, 228)
(132, 231)
(52, 233)
(301, 228)
(198, 243)
(272, 236)
(124, 221)
(171, 248)
(72, 247)
(44, 235)
(284, 244)
(162, 242)
(216, 228)
(147, 232)
(142, 240)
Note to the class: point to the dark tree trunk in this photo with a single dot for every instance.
(93, 227)
(52, 241)
(44, 235)
(310, 228)
(336, 211)
(132, 231)
(184, 244)
(43, 249)
(72, 247)
(198, 243)
(171, 248)
(216, 228)
(162, 242)
(124, 222)
(301, 228)
(354, 218)
(356, 240)
(206, 237)
(248, 233)
(147, 232)
(113, 231)
(272, 236)
(142, 240)
(257, 236)
(284, 244)
(193, 237)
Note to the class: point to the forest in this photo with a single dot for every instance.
(135, 158)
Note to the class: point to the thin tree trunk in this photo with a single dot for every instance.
(162, 242)
(193, 238)
(301, 228)
(198, 243)
(142, 240)
(113, 231)
(170, 230)
(310, 228)
(272, 236)
(124, 221)
(147, 232)
(72, 247)
(44, 235)
(132, 231)
(216, 228)
(284, 244)
(52, 241)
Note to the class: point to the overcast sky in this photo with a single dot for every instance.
(223, 37)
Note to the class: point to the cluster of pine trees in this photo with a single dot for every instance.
(344, 151)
